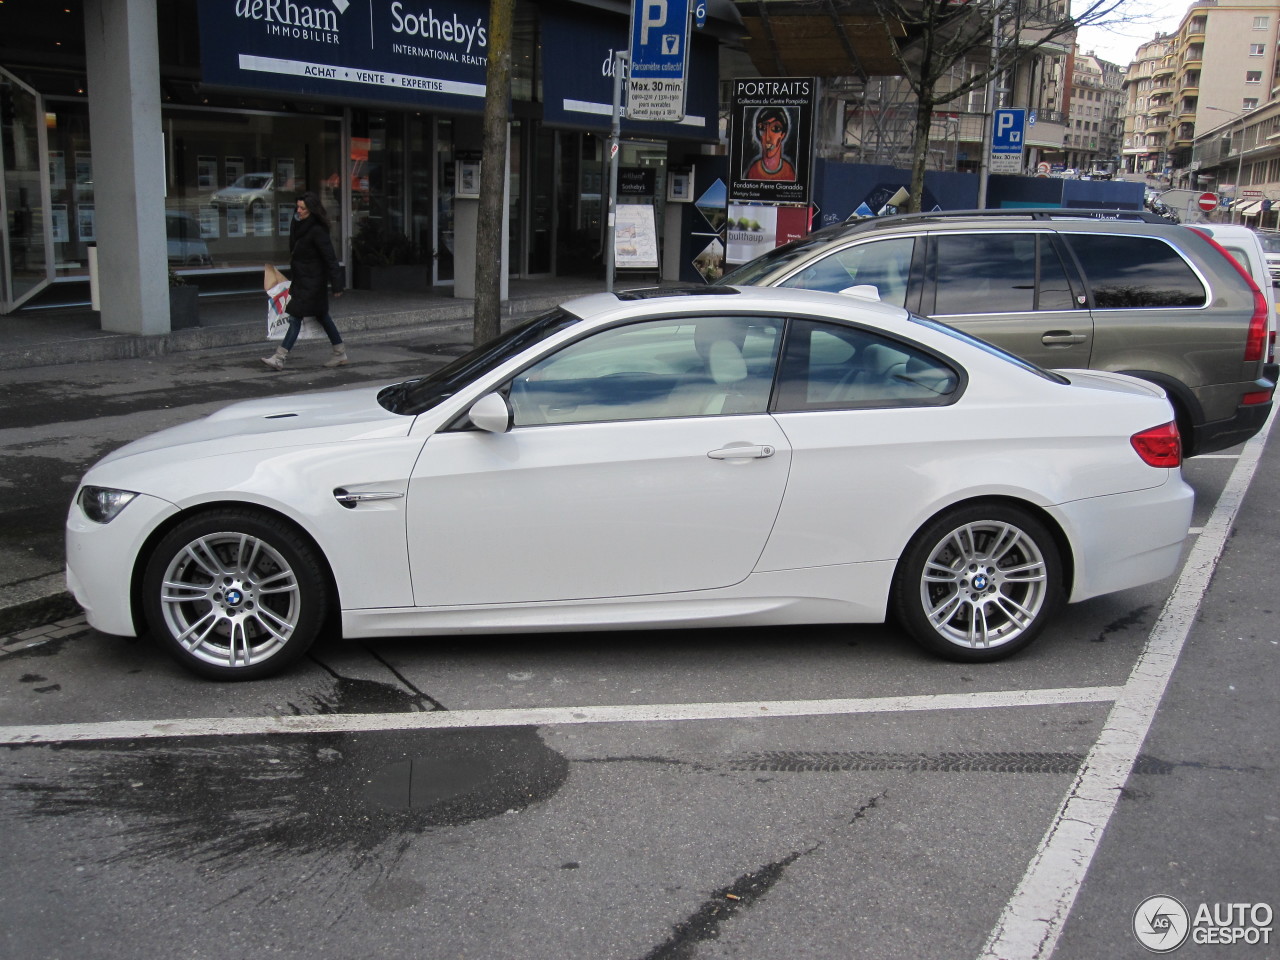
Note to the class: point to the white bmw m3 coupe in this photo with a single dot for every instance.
(674, 457)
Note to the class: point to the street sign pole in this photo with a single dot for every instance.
(615, 136)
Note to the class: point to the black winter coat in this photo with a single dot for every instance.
(312, 266)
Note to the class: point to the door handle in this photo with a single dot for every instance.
(1062, 337)
(744, 451)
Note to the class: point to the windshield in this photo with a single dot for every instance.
(1270, 242)
(412, 397)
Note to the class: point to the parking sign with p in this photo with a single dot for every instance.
(659, 50)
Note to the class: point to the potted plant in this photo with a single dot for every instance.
(183, 303)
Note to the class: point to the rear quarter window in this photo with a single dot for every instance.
(1133, 271)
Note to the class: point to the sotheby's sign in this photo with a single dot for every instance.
(426, 52)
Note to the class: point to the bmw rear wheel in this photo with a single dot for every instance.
(235, 595)
(978, 583)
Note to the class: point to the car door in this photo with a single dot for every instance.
(870, 420)
(641, 460)
(1014, 289)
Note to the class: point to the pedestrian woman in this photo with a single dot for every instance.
(313, 266)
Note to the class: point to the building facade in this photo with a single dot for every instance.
(154, 134)
(1095, 122)
(1220, 63)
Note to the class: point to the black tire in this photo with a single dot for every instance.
(978, 583)
(235, 594)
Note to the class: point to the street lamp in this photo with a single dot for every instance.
(1239, 158)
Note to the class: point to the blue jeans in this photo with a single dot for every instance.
(295, 325)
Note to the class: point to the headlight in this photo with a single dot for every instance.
(103, 504)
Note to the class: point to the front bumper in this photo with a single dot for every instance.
(101, 558)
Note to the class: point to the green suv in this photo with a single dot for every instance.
(1106, 290)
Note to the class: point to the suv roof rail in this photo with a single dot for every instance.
(1026, 213)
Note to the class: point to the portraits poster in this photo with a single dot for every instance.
(770, 139)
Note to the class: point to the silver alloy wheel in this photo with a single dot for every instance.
(230, 599)
(984, 584)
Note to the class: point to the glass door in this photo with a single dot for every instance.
(444, 202)
(25, 267)
(541, 215)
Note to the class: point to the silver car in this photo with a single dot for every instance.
(247, 192)
(1106, 290)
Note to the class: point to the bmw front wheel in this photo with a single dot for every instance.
(978, 583)
(235, 594)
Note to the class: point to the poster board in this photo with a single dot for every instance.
(635, 237)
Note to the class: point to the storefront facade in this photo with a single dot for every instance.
(177, 134)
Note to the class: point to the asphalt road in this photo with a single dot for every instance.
(802, 792)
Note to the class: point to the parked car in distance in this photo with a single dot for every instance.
(703, 456)
(248, 191)
(1106, 290)
(1271, 246)
(1245, 244)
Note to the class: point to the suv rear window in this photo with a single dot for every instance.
(1135, 272)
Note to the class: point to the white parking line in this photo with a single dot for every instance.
(543, 716)
(1033, 919)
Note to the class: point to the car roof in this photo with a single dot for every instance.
(696, 298)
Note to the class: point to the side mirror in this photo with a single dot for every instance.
(491, 413)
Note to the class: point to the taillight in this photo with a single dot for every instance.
(1159, 446)
(1256, 344)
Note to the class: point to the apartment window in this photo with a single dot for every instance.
(1250, 103)
(1257, 49)
(1260, 23)
(1253, 76)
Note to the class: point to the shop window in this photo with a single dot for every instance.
(233, 178)
(71, 186)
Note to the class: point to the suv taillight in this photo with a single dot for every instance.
(1159, 446)
(1255, 346)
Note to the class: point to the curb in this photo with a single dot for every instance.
(36, 602)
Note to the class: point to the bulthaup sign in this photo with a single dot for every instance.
(422, 52)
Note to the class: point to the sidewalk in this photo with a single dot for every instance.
(34, 338)
(37, 338)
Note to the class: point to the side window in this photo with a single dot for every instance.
(832, 367)
(884, 264)
(1135, 272)
(686, 367)
(985, 273)
(1054, 292)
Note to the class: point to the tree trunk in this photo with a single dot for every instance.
(920, 153)
(493, 168)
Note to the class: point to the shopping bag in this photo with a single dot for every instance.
(277, 290)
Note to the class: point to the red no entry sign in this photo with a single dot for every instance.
(1207, 201)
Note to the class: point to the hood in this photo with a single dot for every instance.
(273, 423)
